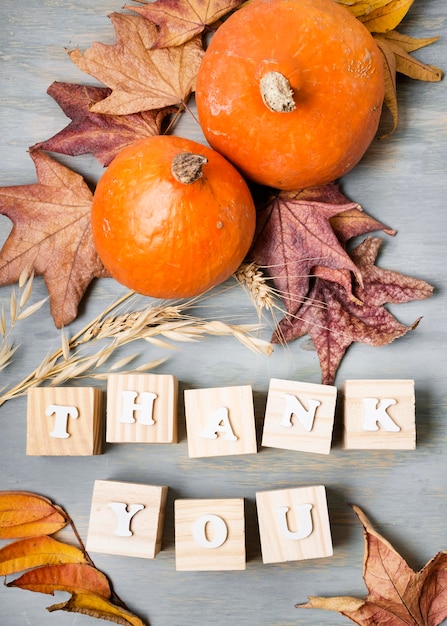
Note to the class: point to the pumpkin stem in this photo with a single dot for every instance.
(187, 167)
(276, 92)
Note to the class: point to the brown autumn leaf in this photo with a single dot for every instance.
(179, 21)
(35, 552)
(295, 234)
(397, 595)
(140, 76)
(94, 605)
(334, 319)
(71, 577)
(24, 514)
(51, 235)
(96, 133)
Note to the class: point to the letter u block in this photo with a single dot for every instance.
(220, 421)
(141, 408)
(294, 524)
(64, 421)
(379, 414)
(299, 416)
(126, 519)
(209, 534)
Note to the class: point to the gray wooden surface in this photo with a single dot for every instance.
(402, 181)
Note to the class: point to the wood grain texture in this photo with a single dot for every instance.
(401, 181)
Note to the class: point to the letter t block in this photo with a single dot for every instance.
(379, 415)
(64, 421)
(126, 519)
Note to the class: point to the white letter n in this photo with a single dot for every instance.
(294, 407)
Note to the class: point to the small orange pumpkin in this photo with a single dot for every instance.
(171, 218)
(291, 91)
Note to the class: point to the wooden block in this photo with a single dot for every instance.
(64, 421)
(209, 534)
(126, 519)
(141, 408)
(299, 416)
(220, 421)
(294, 524)
(379, 414)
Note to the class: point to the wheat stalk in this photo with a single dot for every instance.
(159, 324)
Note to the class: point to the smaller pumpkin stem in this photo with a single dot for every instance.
(277, 93)
(187, 167)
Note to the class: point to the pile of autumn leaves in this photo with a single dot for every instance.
(334, 294)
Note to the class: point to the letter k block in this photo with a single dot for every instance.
(379, 415)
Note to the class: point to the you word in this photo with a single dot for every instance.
(220, 421)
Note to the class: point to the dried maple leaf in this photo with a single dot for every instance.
(25, 514)
(102, 135)
(295, 233)
(335, 320)
(51, 235)
(141, 77)
(179, 21)
(397, 595)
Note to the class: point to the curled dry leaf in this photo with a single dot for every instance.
(397, 595)
(179, 21)
(99, 134)
(96, 605)
(71, 577)
(35, 552)
(141, 77)
(24, 514)
(51, 235)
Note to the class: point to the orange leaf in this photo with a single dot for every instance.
(69, 577)
(24, 514)
(96, 606)
(35, 552)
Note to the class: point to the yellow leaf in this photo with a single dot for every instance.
(363, 7)
(24, 514)
(97, 606)
(69, 577)
(387, 17)
(35, 552)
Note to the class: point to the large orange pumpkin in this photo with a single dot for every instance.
(291, 91)
(171, 218)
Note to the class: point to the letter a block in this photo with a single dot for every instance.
(220, 421)
(299, 416)
(126, 519)
(209, 535)
(379, 414)
(294, 524)
(141, 408)
(64, 421)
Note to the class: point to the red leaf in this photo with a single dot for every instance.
(100, 134)
(51, 235)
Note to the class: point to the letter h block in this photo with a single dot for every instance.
(299, 416)
(64, 421)
(126, 519)
(379, 414)
(209, 534)
(294, 524)
(141, 408)
(220, 421)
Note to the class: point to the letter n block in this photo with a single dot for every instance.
(299, 416)
(141, 408)
(220, 421)
(126, 519)
(209, 534)
(294, 524)
(379, 414)
(64, 421)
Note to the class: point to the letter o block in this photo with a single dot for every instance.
(64, 421)
(209, 535)
(379, 415)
